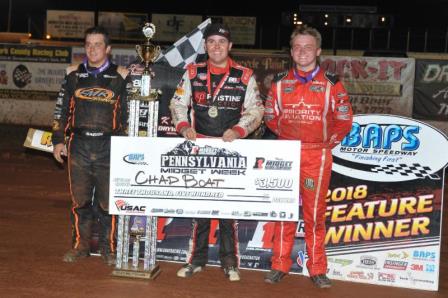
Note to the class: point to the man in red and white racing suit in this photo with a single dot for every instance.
(220, 99)
(307, 104)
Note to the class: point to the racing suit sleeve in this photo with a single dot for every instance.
(181, 103)
(253, 110)
(124, 100)
(342, 114)
(272, 110)
(62, 110)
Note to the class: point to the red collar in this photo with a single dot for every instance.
(219, 70)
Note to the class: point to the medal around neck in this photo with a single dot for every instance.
(213, 112)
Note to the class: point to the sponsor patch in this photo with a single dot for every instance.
(343, 109)
(288, 90)
(309, 183)
(343, 117)
(55, 125)
(233, 80)
(180, 91)
(95, 94)
(315, 88)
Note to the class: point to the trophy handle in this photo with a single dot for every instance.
(138, 49)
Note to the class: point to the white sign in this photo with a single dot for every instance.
(39, 139)
(69, 23)
(208, 178)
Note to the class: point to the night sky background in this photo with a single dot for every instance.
(415, 15)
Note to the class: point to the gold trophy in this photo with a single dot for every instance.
(148, 52)
(143, 228)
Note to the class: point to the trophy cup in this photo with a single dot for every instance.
(145, 97)
(143, 228)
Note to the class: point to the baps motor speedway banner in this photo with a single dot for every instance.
(385, 203)
(383, 217)
(243, 179)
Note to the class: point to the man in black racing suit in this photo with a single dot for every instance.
(91, 106)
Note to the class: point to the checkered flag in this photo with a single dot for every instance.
(415, 169)
(187, 49)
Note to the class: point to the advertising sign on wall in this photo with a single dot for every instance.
(430, 90)
(123, 25)
(170, 27)
(375, 85)
(32, 72)
(243, 29)
(69, 23)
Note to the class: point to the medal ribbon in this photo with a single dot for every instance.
(306, 79)
(97, 70)
(221, 83)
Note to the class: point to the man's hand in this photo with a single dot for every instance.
(230, 135)
(189, 133)
(59, 150)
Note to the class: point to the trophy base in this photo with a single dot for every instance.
(152, 273)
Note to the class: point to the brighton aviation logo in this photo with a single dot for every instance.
(391, 148)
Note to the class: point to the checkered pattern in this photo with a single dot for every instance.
(22, 75)
(415, 169)
(188, 49)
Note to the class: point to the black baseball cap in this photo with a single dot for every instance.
(217, 29)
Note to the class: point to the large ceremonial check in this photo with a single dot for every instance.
(209, 178)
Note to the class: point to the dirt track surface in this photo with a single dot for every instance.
(35, 233)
